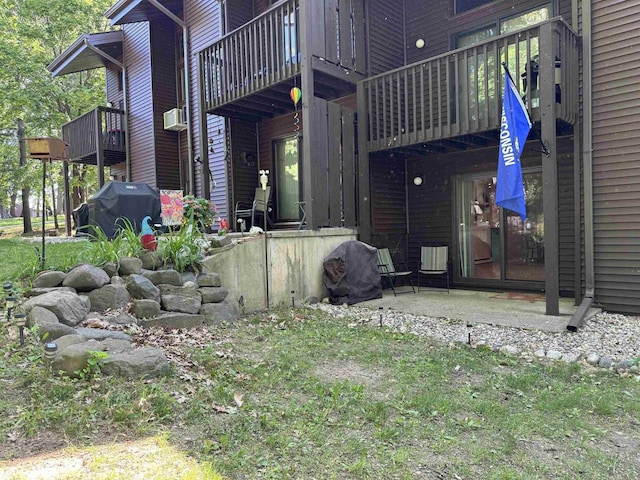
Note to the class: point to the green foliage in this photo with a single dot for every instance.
(94, 365)
(200, 211)
(125, 243)
(182, 248)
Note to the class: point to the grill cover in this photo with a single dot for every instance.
(351, 273)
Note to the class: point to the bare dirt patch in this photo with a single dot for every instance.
(373, 379)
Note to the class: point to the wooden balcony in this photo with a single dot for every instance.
(252, 59)
(99, 131)
(249, 72)
(458, 95)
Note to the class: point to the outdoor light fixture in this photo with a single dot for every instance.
(20, 319)
(420, 43)
(417, 181)
(242, 224)
(50, 350)
(7, 288)
(10, 302)
(293, 299)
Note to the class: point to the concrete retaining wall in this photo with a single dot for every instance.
(294, 262)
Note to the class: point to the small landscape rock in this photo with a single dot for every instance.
(142, 288)
(539, 353)
(554, 355)
(68, 307)
(181, 303)
(101, 334)
(110, 269)
(150, 260)
(130, 266)
(216, 313)
(509, 350)
(109, 297)
(189, 277)
(85, 278)
(67, 340)
(122, 318)
(213, 294)
(605, 362)
(117, 280)
(167, 277)
(173, 320)
(570, 357)
(74, 357)
(145, 308)
(138, 363)
(49, 327)
(209, 280)
(593, 358)
(49, 279)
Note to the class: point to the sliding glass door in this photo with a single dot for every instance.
(494, 244)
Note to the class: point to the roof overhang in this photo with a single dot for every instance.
(82, 54)
(131, 11)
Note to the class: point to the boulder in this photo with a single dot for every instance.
(68, 340)
(110, 268)
(49, 279)
(49, 327)
(184, 299)
(141, 287)
(73, 358)
(138, 363)
(109, 297)
(168, 277)
(174, 320)
(34, 292)
(213, 294)
(68, 307)
(116, 280)
(181, 303)
(216, 313)
(209, 280)
(130, 266)
(150, 260)
(113, 345)
(101, 334)
(189, 277)
(123, 318)
(85, 278)
(145, 308)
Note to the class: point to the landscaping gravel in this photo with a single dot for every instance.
(607, 340)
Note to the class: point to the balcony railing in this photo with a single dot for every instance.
(101, 128)
(253, 57)
(460, 92)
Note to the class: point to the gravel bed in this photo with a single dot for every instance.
(607, 340)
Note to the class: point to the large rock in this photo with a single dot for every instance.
(85, 278)
(34, 292)
(141, 287)
(68, 340)
(213, 294)
(216, 313)
(123, 318)
(145, 308)
(130, 266)
(110, 268)
(138, 363)
(150, 260)
(181, 303)
(49, 327)
(189, 277)
(209, 280)
(68, 307)
(174, 320)
(49, 279)
(113, 345)
(159, 277)
(185, 299)
(74, 358)
(109, 297)
(101, 334)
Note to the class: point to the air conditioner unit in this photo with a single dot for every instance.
(173, 120)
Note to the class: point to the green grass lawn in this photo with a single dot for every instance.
(304, 395)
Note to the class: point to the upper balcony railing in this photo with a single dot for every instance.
(101, 128)
(460, 92)
(255, 56)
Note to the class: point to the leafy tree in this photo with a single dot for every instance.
(34, 33)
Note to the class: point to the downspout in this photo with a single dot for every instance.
(122, 68)
(587, 155)
(187, 87)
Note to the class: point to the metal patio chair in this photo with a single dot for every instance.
(388, 270)
(434, 261)
(255, 208)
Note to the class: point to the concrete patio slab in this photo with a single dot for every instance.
(512, 309)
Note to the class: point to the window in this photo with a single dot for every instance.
(461, 6)
(288, 184)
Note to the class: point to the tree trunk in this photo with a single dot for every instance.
(26, 191)
(12, 206)
(56, 225)
(76, 195)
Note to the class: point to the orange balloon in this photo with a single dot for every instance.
(295, 95)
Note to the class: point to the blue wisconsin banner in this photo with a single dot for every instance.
(514, 129)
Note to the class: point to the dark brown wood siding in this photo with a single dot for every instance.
(137, 48)
(244, 164)
(388, 195)
(434, 23)
(385, 39)
(204, 20)
(163, 77)
(238, 13)
(431, 204)
(616, 153)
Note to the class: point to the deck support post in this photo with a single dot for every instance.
(549, 167)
